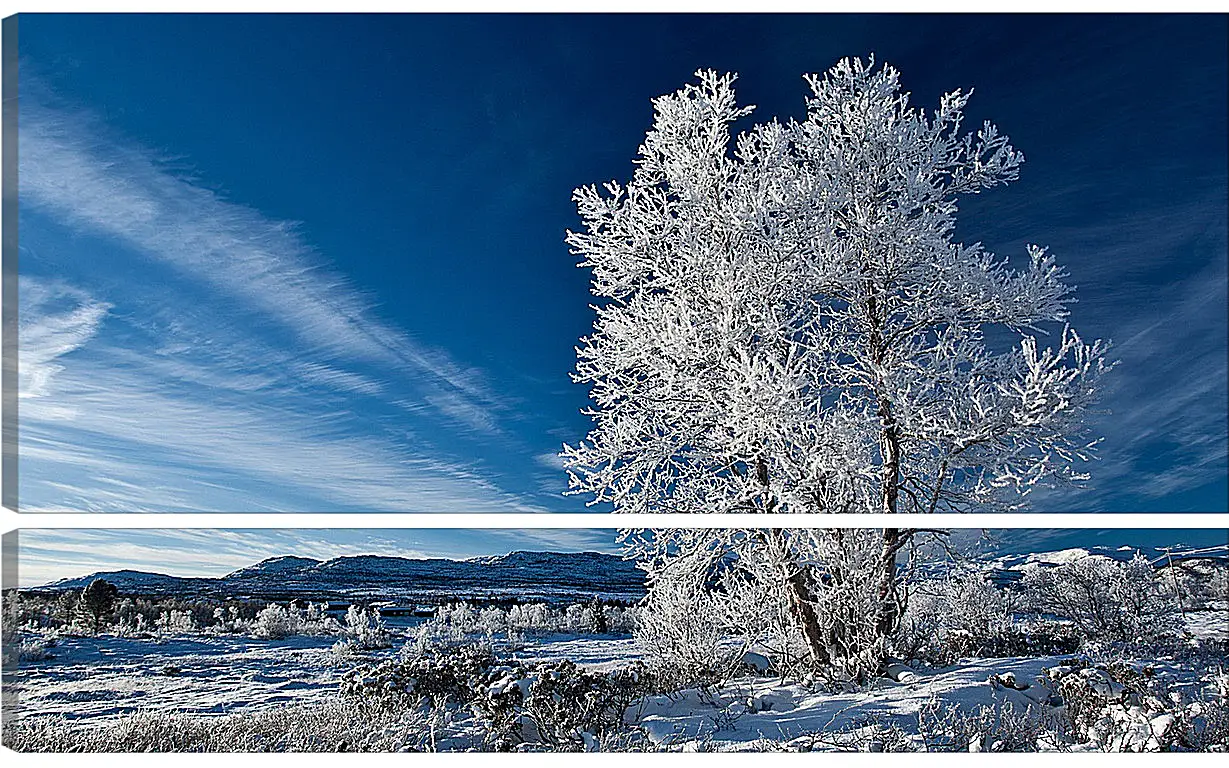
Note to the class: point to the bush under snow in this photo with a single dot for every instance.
(1106, 599)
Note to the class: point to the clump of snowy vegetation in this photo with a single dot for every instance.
(21, 639)
(1107, 599)
(145, 618)
(37, 648)
(364, 631)
(938, 726)
(554, 706)
(332, 726)
(276, 621)
(459, 623)
(960, 615)
(1201, 584)
(1117, 706)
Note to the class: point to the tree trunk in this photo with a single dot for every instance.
(798, 592)
(889, 597)
(889, 444)
(889, 604)
(803, 606)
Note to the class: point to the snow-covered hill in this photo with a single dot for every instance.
(1008, 568)
(568, 576)
(523, 575)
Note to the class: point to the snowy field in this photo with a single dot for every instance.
(96, 679)
(1045, 652)
(103, 676)
(92, 677)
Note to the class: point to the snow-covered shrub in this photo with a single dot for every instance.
(621, 619)
(962, 614)
(871, 734)
(687, 630)
(574, 618)
(1200, 583)
(940, 726)
(1106, 599)
(492, 620)
(530, 616)
(437, 676)
(459, 623)
(276, 622)
(1203, 724)
(452, 625)
(554, 705)
(1001, 728)
(1119, 707)
(557, 706)
(227, 621)
(27, 641)
(1105, 712)
(35, 649)
(14, 616)
(176, 623)
(133, 626)
(365, 629)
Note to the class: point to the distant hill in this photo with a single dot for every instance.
(549, 576)
(1006, 569)
(552, 576)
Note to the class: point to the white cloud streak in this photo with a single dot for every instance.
(52, 333)
(206, 415)
(70, 171)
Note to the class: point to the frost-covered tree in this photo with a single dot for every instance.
(787, 325)
(275, 622)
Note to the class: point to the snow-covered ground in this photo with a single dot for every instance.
(1209, 625)
(770, 710)
(91, 677)
(99, 676)
(600, 654)
(98, 680)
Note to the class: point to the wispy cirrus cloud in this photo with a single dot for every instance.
(108, 433)
(1166, 432)
(1152, 277)
(50, 332)
(72, 171)
(211, 362)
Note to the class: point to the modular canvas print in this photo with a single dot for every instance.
(928, 308)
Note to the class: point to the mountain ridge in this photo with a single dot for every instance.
(519, 574)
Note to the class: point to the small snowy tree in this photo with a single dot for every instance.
(276, 623)
(789, 327)
(174, 622)
(364, 628)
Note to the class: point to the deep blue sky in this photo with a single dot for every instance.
(316, 263)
